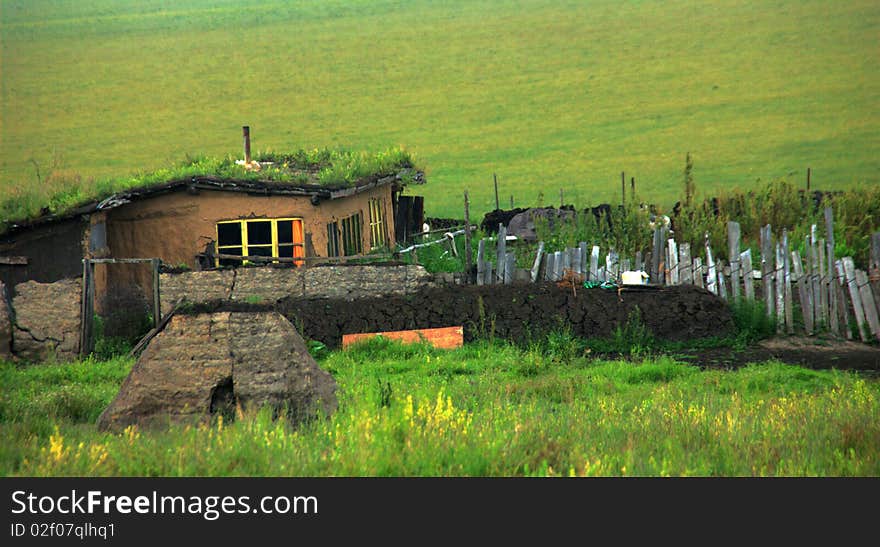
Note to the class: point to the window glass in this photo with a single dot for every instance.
(259, 233)
(229, 233)
(285, 231)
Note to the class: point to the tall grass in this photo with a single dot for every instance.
(492, 409)
(754, 90)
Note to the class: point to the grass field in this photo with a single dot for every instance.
(483, 410)
(547, 94)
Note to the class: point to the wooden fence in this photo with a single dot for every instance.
(825, 290)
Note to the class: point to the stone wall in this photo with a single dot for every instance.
(270, 284)
(47, 320)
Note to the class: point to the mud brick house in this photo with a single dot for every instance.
(277, 208)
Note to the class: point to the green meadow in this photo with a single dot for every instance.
(488, 409)
(547, 94)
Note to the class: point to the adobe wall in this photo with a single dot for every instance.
(46, 322)
(270, 284)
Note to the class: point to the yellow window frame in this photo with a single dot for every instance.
(273, 223)
(377, 223)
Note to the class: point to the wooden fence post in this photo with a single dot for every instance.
(549, 266)
(698, 272)
(849, 270)
(594, 263)
(767, 268)
(786, 273)
(814, 279)
(803, 291)
(501, 253)
(868, 303)
(536, 267)
(686, 268)
(779, 275)
(672, 261)
(711, 277)
(733, 242)
(467, 238)
(747, 274)
(840, 286)
(833, 303)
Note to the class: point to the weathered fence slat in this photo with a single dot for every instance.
(698, 272)
(849, 270)
(685, 265)
(748, 279)
(639, 264)
(823, 284)
(501, 253)
(549, 266)
(786, 273)
(612, 266)
(509, 267)
(841, 287)
(558, 265)
(722, 282)
(733, 241)
(833, 302)
(594, 263)
(779, 274)
(868, 303)
(656, 254)
(767, 268)
(803, 291)
(576, 260)
(711, 276)
(536, 266)
(672, 262)
(481, 261)
(814, 279)
(585, 265)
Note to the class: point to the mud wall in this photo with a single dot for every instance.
(269, 284)
(46, 320)
(515, 312)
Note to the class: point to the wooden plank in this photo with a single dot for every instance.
(657, 258)
(481, 262)
(585, 260)
(500, 253)
(509, 267)
(84, 317)
(779, 277)
(489, 273)
(672, 261)
(722, 282)
(786, 273)
(549, 266)
(558, 265)
(814, 278)
(767, 268)
(467, 238)
(566, 261)
(594, 263)
(686, 268)
(575, 260)
(849, 270)
(442, 337)
(157, 306)
(698, 272)
(625, 265)
(711, 275)
(840, 287)
(870, 309)
(803, 291)
(602, 275)
(833, 302)
(14, 260)
(536, 266)
(612, 266)
(639, 263)
(733, 243)
(823, 284)
(748, 279)
(155, 330)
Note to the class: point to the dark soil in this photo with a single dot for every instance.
(517, 312)
(809, 352)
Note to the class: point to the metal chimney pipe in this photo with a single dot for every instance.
(246, 132)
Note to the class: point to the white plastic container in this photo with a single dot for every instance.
(634, 277)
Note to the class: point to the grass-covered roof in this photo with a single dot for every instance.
(63, 193)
